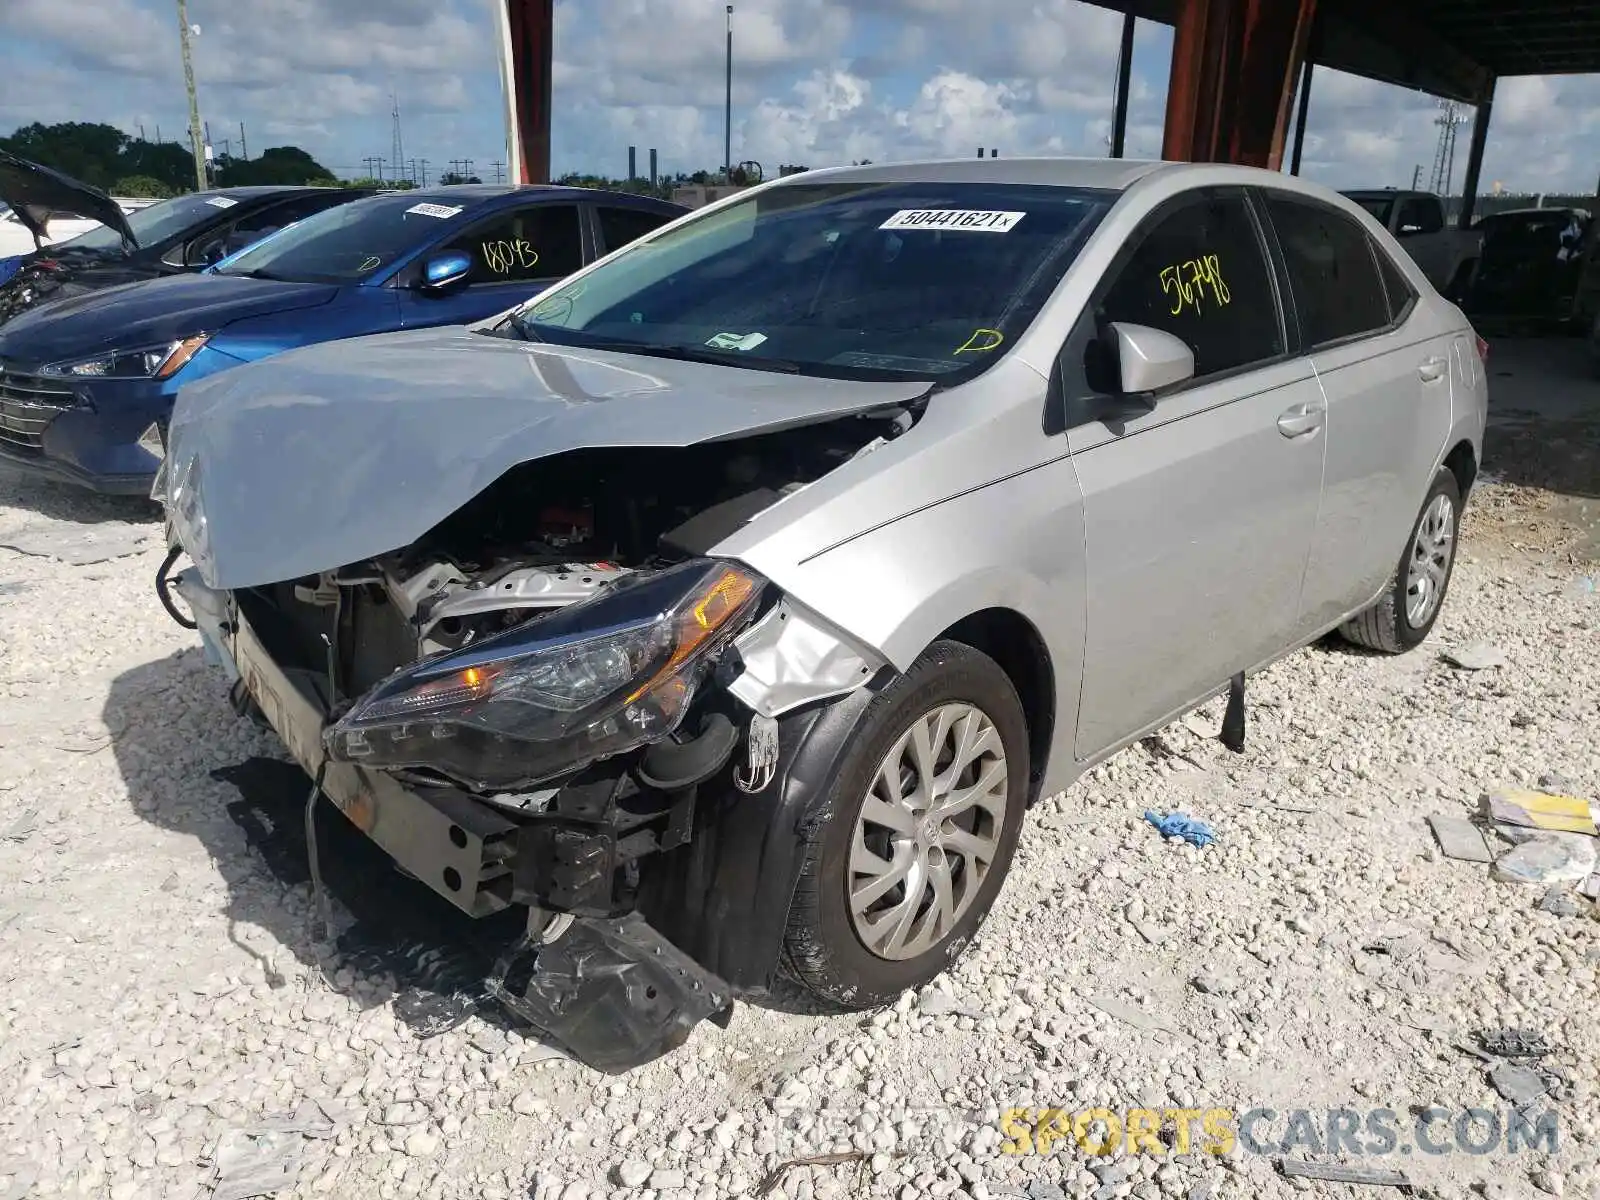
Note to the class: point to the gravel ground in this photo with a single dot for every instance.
(162, 998)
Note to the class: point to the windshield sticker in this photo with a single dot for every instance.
(981, 341)
(221, 202)
(1188, 283)
(965, 220)
(506, 255)
(442, 211)
(736, 341)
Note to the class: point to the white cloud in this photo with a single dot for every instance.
(815, 81)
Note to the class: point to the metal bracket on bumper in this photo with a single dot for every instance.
(615, 992)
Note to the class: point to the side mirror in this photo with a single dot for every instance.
(444, 271)
(1149, 359)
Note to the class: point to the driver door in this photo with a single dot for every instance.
(515, 254)
(1199, 508)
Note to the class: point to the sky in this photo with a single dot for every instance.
(816, 82)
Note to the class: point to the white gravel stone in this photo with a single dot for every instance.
(161, 987)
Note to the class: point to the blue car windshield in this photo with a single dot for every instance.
(348, 243)
(848, 280)
(155, 222)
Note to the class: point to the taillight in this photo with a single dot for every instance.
(1483, 350)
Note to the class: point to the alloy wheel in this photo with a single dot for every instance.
(928, 831)
(1431, 553)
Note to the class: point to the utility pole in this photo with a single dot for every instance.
(499, 171)
(244, 150)
(423, 164)
(1416, 176)
(397, 152)
(727, 109)
(141, 131)
(194, 100)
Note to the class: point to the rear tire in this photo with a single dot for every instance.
(1412, 602)
(945, 832)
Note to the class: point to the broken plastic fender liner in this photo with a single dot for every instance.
(616, 994)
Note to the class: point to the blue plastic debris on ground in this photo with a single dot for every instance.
(1191, 829)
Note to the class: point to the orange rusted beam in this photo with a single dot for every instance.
(527, 62)
(1231, 93)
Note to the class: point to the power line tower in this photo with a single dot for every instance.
(1450, 119)
(397, 151)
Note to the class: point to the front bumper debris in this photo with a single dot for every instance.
(613, 992)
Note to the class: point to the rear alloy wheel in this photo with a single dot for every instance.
(1408, 609)
(921, 822)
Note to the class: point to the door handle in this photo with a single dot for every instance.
(1431, 369)
(1301, 420)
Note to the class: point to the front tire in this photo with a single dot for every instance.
(1406, 613)
(916, 834)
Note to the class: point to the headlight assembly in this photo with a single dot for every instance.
(587, 682)
(148, 362)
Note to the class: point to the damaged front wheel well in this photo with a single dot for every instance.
(1012, 641)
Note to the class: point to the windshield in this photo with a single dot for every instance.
(850, 280)
(155, 223)
(348, 243)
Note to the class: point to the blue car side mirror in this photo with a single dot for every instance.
(445, 270)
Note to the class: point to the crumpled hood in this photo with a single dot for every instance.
(37, 193)
(340, 452)
(147, 313)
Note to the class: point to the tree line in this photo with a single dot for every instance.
(115, 162)
(111, 160)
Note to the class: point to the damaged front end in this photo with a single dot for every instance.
(559, 698)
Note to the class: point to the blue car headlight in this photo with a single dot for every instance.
(144, 362)
(589, 681)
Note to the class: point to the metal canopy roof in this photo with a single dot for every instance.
(1450, 48)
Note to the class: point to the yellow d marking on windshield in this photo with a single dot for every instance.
(981, 340)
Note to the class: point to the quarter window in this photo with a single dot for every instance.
(1200, 274)
(529, 243)
(1337, 291)
(1397, 289)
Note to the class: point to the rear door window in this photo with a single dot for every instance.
(619, 226)
(1337, 289)
(538, 242)
(1200, 273)
(1420, 214)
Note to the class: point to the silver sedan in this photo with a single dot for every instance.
(750, 584)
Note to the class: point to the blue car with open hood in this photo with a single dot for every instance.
(87, 383)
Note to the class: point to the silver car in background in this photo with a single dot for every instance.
(728, 604)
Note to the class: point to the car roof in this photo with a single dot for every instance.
(1108, 174)
(1116, 174)
(1547, 211)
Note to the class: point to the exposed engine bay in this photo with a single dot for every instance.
(549, 534)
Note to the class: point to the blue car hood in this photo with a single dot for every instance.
(148, 313)
(340, 452)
